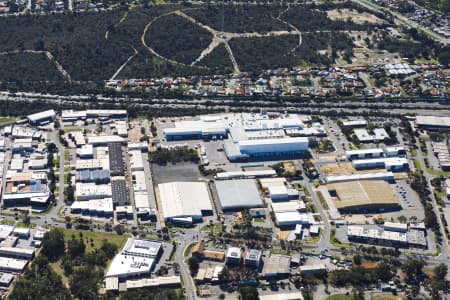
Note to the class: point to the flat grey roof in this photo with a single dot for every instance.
(236, 194)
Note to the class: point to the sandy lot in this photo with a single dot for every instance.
(355, 16)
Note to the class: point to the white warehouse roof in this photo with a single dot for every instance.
(184, 199)
(41, 115)
(235, 194)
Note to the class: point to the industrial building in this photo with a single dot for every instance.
(395, 151)
(26, 188)
(89, 191)
(104, 140)
(433, 122)
(178, 204)
(354, 123)
(282, 296)
(249, 135)
(387, 176)
(282, 193)
(116, 162)
(364, 153)
(246, 174)
(277, 265)
(270, 147)
(233, 256)
(119, 192)
(157, 282)
(384, 237)
(93, 175)
(363, 196)
(136, 160)
(288, 206)
(91, 164)
(86, 151)
(292, 218)
(267, 183)
(375, 153)
(252, 258)
(391, 226)
(96, 208)
(12, 265)
(42, 118)
(72, 116)
(142, 205)
(137, 258)
(389, 163)
(375, 136)
(442, 152)
(238, 194)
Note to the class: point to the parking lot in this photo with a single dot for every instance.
(183, 171)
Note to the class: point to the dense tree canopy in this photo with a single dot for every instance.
(53, 244)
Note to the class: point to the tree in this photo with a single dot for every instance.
(440, 271)
(224, 276)
(249, 293)
(39, 282)
(193, 264)
(75, 248)
(437, 283)
(413, 269)
(109, 249)
(357, 260)
(119, 229)
(83, 283)
(53, 244)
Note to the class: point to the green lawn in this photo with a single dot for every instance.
(417, 165)
(322, 200)
(188, 249)
(335, 241)
(97, 238)
(437, 172)
(280, 251)
(386, 297)
(24, 225)
(7, 222)
(216, 228)
(6, 120)
(66, 156)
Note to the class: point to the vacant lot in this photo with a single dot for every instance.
(354, 16)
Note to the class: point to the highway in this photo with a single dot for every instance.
(399, 107)
(404, 21)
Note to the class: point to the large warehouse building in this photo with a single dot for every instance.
(245, 149)
(42, 118)
(363, 196)
(184, 202)
(238, 194)
(250, 135)
(433, 122)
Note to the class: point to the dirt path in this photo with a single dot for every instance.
(124, 64)
(222, 38)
